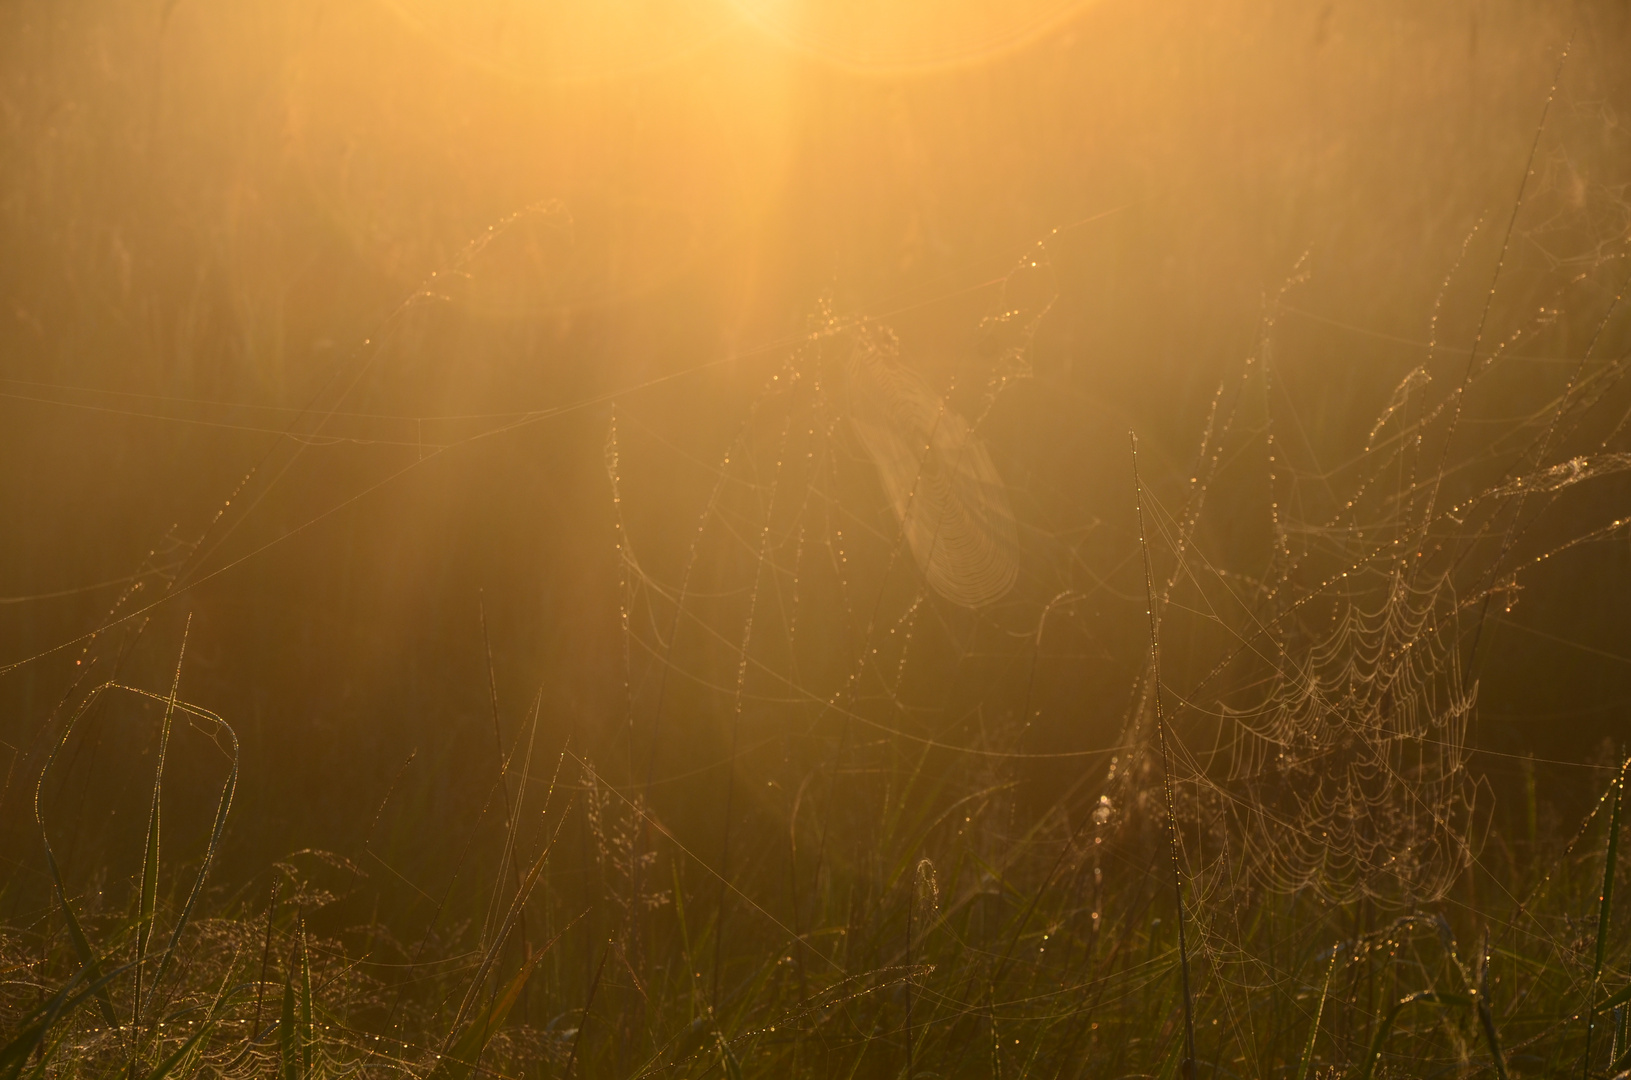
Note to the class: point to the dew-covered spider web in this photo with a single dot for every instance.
(882, 577)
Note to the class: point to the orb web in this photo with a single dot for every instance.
(1349, 776)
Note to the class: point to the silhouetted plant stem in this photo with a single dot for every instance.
(266, 959)
(1605, 904)
(1166, 772)
(588, 1003)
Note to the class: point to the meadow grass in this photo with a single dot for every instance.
(894, 908)
(929, 953)
(822, 831)
(871, 896)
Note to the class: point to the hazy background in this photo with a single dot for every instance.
(213, 216)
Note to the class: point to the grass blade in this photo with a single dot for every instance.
(147, 908)
(1614, 1000)
(733, 1068)
(512, 822)
(287, 1052)
(516, 912)
(14, 1054)
(266, 955)
(1605, 902)
(223, 808)
(1486, 1015)
(168, 1065)
(304, 1036)
(82, 944)
(38, 1071)
(1319, 1011)
(588, 1003)
(1166, 773)
(1619, 1047)
(1421, 997)
(459, 1061)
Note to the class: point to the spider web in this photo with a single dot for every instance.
(867, 581)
